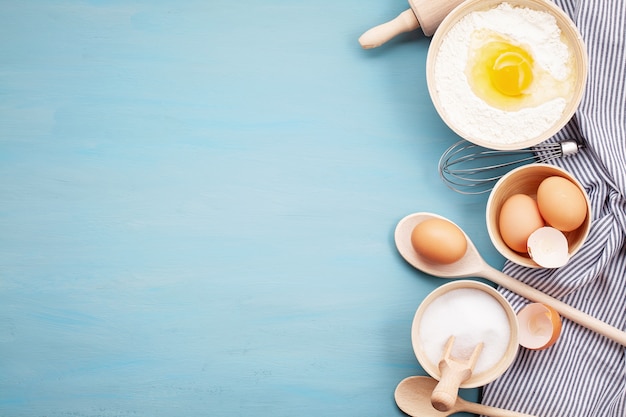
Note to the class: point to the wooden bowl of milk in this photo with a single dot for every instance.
(472, 312)
(506, 74)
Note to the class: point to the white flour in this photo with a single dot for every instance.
(471, 114)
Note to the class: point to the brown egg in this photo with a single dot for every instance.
(561, 203)
(519, 218)
(439, 241)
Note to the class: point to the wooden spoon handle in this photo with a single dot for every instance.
(485, 410)
(564, 310)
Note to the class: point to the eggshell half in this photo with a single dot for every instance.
(548, 247)
(539, 326)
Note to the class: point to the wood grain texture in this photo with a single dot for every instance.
(197, 205)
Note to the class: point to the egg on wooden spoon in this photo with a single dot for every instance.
(439, 241)
(539, 326)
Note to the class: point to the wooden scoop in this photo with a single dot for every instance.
(426, 14)
(413, 396)
(454, 372)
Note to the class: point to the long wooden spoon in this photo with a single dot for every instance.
(473, 265)
(413, 397)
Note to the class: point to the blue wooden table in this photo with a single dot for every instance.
(197, 205)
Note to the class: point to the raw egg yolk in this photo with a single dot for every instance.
(511, 72)
(500, 72)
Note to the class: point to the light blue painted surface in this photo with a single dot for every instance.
(197, 203)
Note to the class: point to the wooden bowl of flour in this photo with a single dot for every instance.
(465, 72)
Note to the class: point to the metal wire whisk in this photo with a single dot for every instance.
(463, 168)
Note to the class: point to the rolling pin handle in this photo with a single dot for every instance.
(378, 35)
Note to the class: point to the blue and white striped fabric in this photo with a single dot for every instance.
(584, 374)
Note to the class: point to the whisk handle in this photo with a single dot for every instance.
(569, 147)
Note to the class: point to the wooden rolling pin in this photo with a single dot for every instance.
(426, 14)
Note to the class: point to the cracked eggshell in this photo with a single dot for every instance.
(539, 326)
(548, 247)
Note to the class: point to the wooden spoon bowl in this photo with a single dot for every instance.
(413, 398)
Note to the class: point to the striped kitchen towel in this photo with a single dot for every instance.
(584, 374)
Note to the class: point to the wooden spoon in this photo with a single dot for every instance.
(473, 265)
(413, 397)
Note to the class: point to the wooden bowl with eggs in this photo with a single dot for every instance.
(533, 199)
(506, 74)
